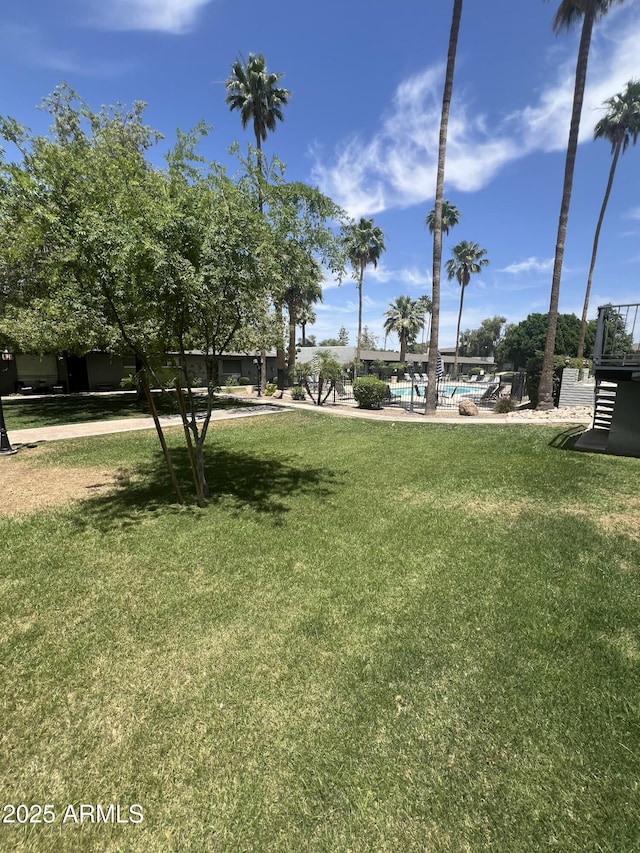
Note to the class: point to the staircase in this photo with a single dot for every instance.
(604, 404)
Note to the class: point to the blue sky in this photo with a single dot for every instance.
(362, 124)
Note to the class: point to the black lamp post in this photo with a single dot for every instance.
(5, 445)
(258, 364)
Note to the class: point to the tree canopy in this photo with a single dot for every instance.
(524, 340)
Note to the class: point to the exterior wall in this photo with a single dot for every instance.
(35, 371)
(574, 393)
(104, 371)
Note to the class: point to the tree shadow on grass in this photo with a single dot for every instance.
(263, 484)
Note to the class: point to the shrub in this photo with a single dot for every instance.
(270, 389)
(369, 392)
(244, 380)
(128, 383)
(230, 382)
(506, 404)
(298, 393)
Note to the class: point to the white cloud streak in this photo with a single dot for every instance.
(30, 47)
(529, 265)
(167, 16)
(396, 167)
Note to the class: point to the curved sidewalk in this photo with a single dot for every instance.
(21, 437)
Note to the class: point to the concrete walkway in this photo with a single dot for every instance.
(21, 437)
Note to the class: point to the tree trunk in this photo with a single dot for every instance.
(545, 389)
(455, 359)
(432, 364)
(163, 443)
(596, 238)
(357, 364)
(292, 343)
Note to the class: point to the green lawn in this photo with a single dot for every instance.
(28, 412)
(376, 637)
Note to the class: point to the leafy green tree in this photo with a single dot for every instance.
(404, 319)
(567, 14)
(343, 336)
(432, 365)
(483, 342)
(620, 126)
(468, 259)
(369, 341)
(364, 243)
(151, 259)
(522, 341)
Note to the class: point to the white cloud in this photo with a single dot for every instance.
(634, 213)
(29, 46)
(168, 16)
(529, 265)
(396, 167)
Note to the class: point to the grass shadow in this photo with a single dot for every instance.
(241, 480)
(25, 413)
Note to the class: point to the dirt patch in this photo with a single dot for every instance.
(25, 488)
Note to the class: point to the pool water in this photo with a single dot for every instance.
(405, 389)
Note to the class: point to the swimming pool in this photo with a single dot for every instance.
(404, 390)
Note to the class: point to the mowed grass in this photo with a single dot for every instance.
(375, 637)
(31, 412)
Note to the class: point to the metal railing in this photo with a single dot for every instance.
(410, 395)
(617, 342)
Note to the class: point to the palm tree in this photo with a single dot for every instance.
(620, 126)
(450, 217)
(405, 318)
(306, 317)
(252, 90)
(468, 259)
(364, 243)
(424, 303)
(304, 291)
(432, 365)
(568, 12)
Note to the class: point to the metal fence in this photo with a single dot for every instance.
(617, 340)
(410, 395)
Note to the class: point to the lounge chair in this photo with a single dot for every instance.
(492, 393)
(390, 397)
(407, 378)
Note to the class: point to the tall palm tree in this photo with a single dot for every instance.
(468, 259)
(620, 126)
(254, 93)
(303, 291)
(567, 14)
(424, 303)
(405, 318)
(450, 217)
(432, 365)
(364, 243)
